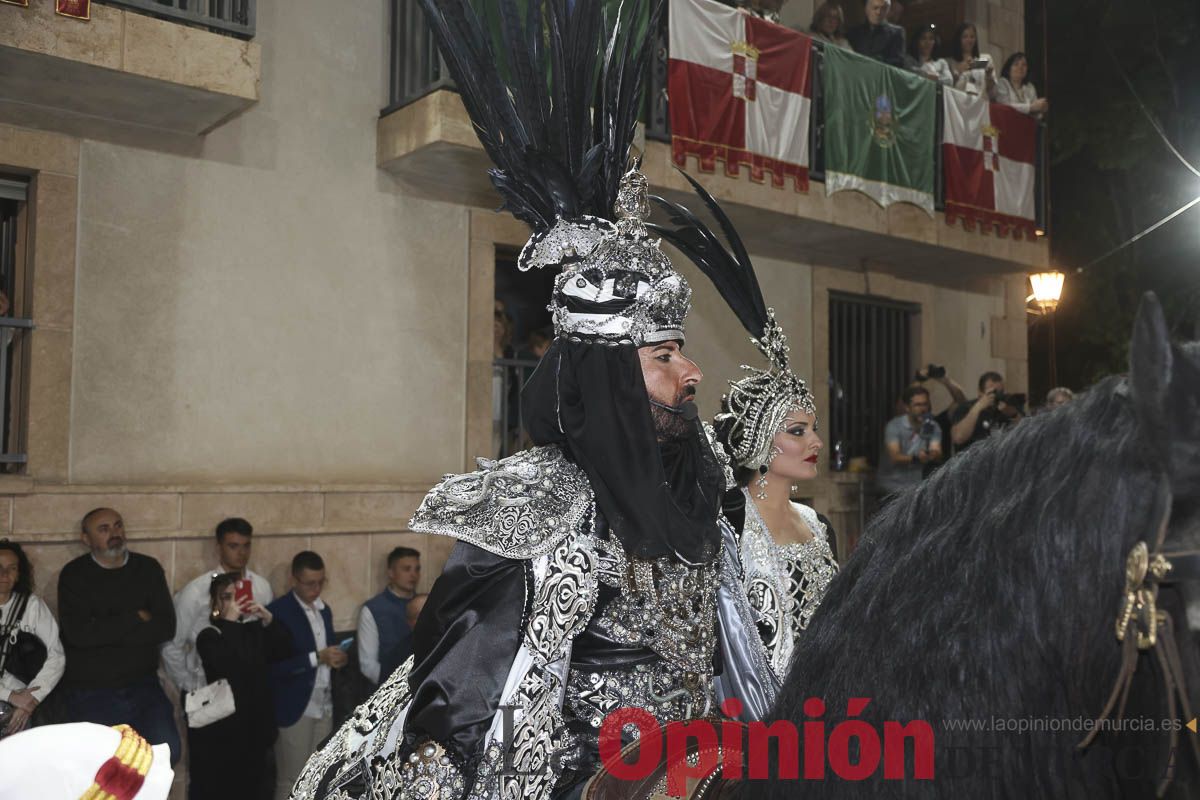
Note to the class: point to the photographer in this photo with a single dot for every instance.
(994, 410)
(937, 374)
(911, 441)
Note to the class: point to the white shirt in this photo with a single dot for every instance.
(320, 705)
(939, 69)
(1020, 99)
(37, 620)
(368, 645)
(192, 611)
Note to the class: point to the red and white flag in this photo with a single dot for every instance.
(740, 92)
(988, 153)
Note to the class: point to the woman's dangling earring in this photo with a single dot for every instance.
(761, 483)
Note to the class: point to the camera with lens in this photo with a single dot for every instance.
(929, 427)
(931, 371)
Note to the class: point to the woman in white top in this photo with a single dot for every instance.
(17, 698)
(973, 73)
(1014, 89)
(922, 47)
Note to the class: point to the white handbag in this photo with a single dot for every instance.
(210, 703)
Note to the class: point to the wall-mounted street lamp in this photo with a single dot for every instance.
(1047, 290)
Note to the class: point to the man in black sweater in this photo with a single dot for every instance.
(115, 611)
(877, 38)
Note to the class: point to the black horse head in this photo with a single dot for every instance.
(984, 601)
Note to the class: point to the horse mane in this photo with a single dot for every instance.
(980, 594)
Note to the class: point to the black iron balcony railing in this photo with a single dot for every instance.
(418, 69)
(232, 17)
(417, 66)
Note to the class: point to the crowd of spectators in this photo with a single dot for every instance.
(957, 63)
(917, 441)
(269, 661)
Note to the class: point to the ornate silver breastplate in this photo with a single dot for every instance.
(668, 608)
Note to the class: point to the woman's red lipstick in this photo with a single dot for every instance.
(812, 459)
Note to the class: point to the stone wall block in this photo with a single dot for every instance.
(267, 511)
(61, 513)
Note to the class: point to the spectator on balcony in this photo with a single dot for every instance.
(829, 25)
(1014, 89)
(877, 38)
(922, 49)
(973, 73)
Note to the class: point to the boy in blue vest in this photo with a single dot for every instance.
(384, 635)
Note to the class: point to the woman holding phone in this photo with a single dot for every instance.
(229, 757)
(973, 73)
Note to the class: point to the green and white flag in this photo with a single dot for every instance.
(879, 130)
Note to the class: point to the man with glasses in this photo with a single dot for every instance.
(301, 682)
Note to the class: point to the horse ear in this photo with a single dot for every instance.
(1150, 361)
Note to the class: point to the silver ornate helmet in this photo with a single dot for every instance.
(756, 406)
(616, 284)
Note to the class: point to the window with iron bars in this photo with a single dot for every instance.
(15, 323)
(521, 317)
(872, 345)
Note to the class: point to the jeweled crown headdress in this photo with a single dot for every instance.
(556, 114)
(755, 407)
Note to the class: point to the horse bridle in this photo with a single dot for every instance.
(1141, 625)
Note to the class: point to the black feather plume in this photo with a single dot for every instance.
(533, 110)
(731, 273)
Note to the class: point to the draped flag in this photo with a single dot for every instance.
(988, 152)
(740, 93)
(879, 130)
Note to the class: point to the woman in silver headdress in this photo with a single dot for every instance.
(768, 423)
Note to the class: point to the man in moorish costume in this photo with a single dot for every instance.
(594, 571)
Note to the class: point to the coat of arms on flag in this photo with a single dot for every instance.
(989, 151)
(879, 130)
(739, 91)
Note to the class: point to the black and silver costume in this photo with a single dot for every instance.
(593, 571)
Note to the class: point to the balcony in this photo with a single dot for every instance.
(425, 138)
(185, 70)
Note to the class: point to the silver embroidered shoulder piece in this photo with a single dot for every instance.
(519, 507)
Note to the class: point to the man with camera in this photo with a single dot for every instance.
(910, 441)
(994, 410)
